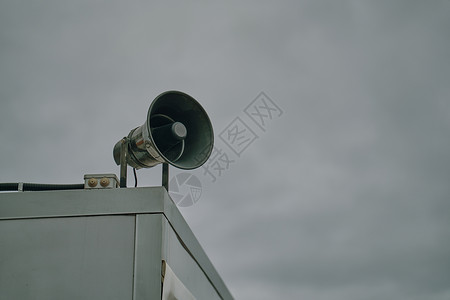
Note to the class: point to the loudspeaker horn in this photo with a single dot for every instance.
(177, 131)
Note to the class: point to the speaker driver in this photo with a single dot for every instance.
(168, 136)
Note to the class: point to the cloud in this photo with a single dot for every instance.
(345, 196)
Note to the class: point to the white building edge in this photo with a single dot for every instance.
(101, 244)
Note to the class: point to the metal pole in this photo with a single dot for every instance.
(123, 162)
(165, 176)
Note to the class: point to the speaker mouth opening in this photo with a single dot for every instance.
(176, 106)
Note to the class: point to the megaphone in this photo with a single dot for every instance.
(177, 131)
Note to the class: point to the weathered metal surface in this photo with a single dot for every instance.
(67, 258)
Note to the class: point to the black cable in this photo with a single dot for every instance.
(10, 186)
(135, 177)
(40, 187)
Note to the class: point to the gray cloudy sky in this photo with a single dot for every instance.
(346, 195)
